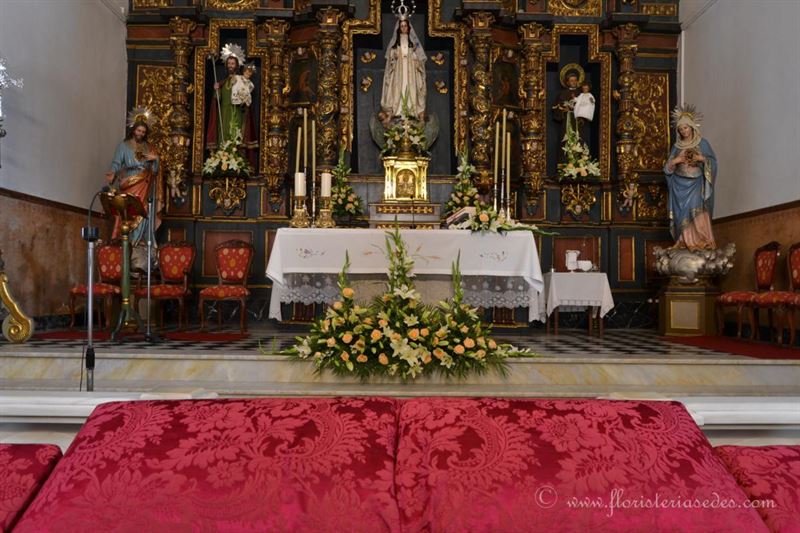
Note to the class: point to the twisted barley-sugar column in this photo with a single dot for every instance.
(533, 111)
(328, 105)
(626, 35)
(276, 134)
(480, 98)
(180, 121)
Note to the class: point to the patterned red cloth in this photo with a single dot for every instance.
(233, 263)
(766, 263)
(738, 297)
(100, 289)
(775, 298)
(225, 291)
(175, 261)
(162, 291)
(794, 267)
(768, 473)
(226, 465)
(554, 465)
(109, 260)
(23, 469)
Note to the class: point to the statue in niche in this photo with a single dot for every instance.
(404, 77)
(574, 107)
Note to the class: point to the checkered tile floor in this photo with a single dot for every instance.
(617, 343)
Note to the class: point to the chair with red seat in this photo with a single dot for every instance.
(765, 260)
(784, 304)
(233, 266)
(175, 261)
(109, 267)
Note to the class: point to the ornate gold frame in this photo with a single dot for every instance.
(595, 56)
(200, 60)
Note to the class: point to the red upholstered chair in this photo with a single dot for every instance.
(233, 265)
(784, 303)
(175, 260)
(109, 267)
(765, 260)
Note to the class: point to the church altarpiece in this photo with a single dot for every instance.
(328, 58)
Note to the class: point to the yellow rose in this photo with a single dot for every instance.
(367, 321)
(492, 345)
(459, 349)
(424, 332)
(347, 292)
(337, 305)
(438, 353)
(331, 342)
(395, 336)
(383, 359)
(347, 338)
(435, 340)
(413, 334)
(483, 217)
(383, 323)
(375, 335)
(464, 329)
(362, 358)
(345, 356)
(481, 354)
(469, 343)
(427, 358)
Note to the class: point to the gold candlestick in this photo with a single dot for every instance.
(300, 216)
(325, 218)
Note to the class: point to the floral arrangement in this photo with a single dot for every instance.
(397, 335)
(406, 133)
(344, 199)
(579, 162)
(227, 160)
(486, 219)
(464, 193)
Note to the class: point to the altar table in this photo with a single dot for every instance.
(579, 289)
(498, 270)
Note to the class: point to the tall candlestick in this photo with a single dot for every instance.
(496, 160)
(297, 152)
(508, 174)
(503, 140)
(299, 184)
(313, 168)
(305, 139)
(325, 185)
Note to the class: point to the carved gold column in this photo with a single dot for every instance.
(480, 96)
(276, 163)
(626, 35)
(17, 326)
(534, 164)
(180, 121)
(327, 111)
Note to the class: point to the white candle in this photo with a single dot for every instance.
(297, 152)
(508, 167)
(496, 148)
(305, 139)
(503, 140)
(299, 184)
(325, 189)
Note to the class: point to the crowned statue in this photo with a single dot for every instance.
(404, 77)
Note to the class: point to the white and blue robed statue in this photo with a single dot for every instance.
(691, 171)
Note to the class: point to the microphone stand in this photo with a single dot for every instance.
(90, 234)
(148, 335)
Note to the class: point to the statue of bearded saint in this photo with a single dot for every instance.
(404, 77)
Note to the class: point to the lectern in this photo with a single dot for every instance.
(130, 211)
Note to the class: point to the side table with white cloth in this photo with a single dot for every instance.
(568, 290)
(497, 270)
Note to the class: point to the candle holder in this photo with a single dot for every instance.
(325, 218)
(300, 216)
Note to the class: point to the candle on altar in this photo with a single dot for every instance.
(496, 149)
(508, 169)
(325, 186)
(299, 184)
(503, 140)
(314, 149)
(305, 139)
(297, 152)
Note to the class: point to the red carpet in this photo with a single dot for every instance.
(759, 350)
(199, 336)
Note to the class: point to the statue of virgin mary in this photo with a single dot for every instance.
(404, 77)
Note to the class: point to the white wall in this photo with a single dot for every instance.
(741, 67)
(64, 123)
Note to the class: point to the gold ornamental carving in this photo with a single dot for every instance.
(275, 133)
(653, 204)
(406, 178)
(480, 97)
(17, 326)
(328, 86)
(575, 8)
(627, 127)
(149, 4)
(154, 90)
(650, 97)
(532, 96)
(457, 32)
(660, 10)
(603, 119)
(201, 64)
(176, 156)
(228, 193)
(232, 5)
(578, 199)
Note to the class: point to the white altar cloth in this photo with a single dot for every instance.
(578, 289)
(498, 269)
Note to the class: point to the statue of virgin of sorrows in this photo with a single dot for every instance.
(404, 77)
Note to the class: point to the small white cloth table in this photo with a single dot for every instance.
(578, 289)
(497, 270)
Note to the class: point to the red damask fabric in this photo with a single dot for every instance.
(226, 465)
(175, 261)
(770, 475)
(765, 268)
(775, 298)
(23, 470)
(233, 263)
(738, 297)
(100, 289)
(486, 465)
(225, 291)
(109, 261)
(794, 267)
(162, 291)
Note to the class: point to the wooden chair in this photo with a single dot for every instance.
(109, 268)
(765, 260)
(233, 266)
(782, 305)
(175, 261)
